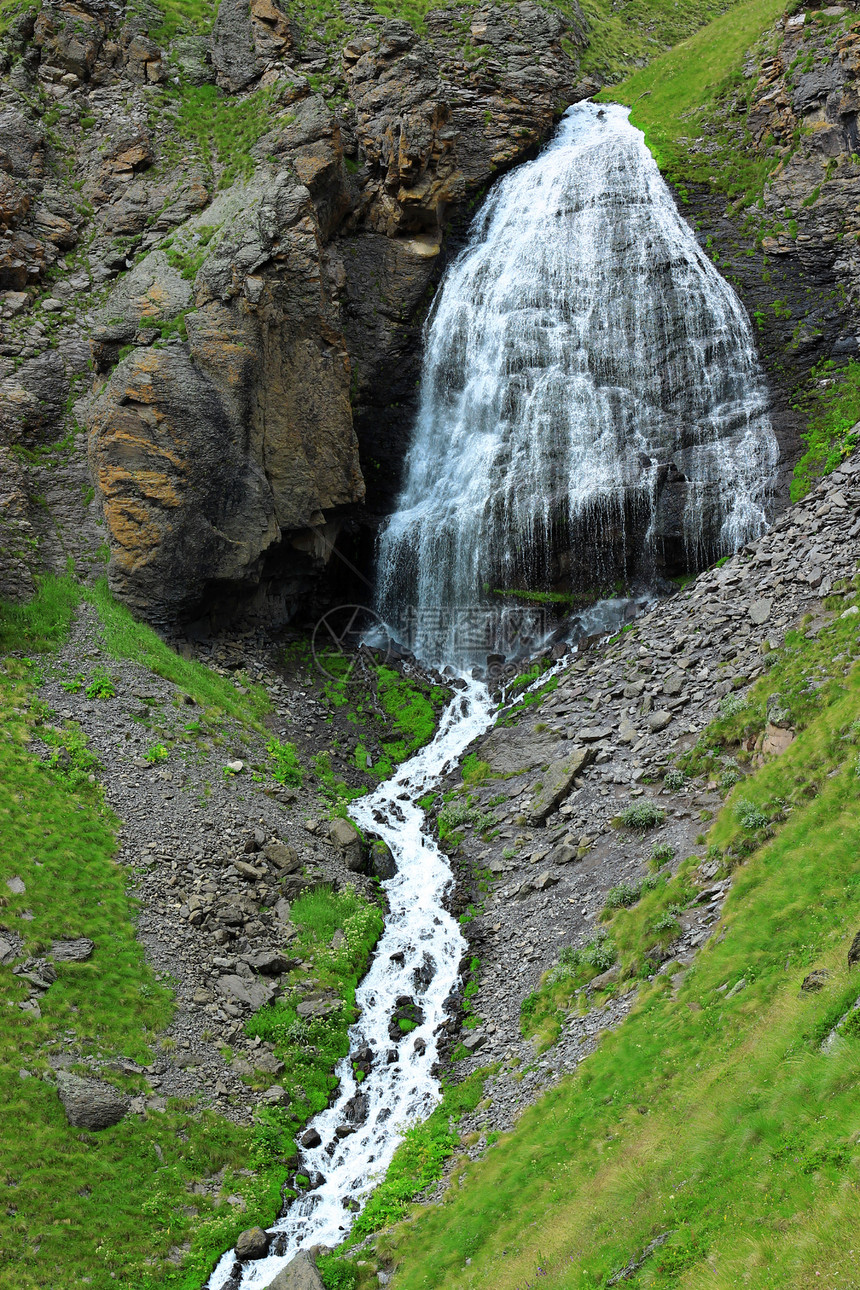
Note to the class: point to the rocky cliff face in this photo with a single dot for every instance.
(793, 254)
(216, 250)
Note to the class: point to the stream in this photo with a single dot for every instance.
(418, 955)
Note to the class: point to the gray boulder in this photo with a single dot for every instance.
(253, 1243)
(347, 839)
(75, 951)
(558, 782)
(299, 1274)
(90, 1104)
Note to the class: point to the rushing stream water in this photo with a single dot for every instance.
(419, 928)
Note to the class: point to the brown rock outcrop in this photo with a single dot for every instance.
(207, 452)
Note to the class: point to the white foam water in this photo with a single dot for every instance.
(590, 393)
(419, 928)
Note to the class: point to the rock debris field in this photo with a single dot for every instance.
(214, 857)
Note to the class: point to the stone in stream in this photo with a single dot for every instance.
(253, 1243)
(310, 1139)
(299, 1274)
(90, 1104)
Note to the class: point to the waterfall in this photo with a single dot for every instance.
(591, 402)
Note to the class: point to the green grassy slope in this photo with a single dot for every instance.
(676, 93)
(713, 1118)
(144, 1204)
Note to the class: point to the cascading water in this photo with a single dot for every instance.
(591, 397)
(590, 382)
(419, 929)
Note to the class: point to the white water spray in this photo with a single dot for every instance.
(591, 397)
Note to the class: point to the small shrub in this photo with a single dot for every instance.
(751, 817)
(675, 780)
(158, 752)
(851, 1024)
(732, 704)
(623, 895)
(288, 769)
(667, 921)
(337, 1273)
(662, 853)
(101, 687)
(642, 815)
(731, 775)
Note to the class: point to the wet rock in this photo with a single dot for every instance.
(90, 1104)
(310, 1139)
(299, 1274)
(253, 1243)
(382, 864)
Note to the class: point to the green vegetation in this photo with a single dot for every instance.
(311, 1047)
(186, 250)
(397, 710)
(543, 1011)
(10, 10)
(45, 621)
(184, 17)
(421, 1156)
(288, 768)
(455, 815)
(715, 1114)
(109, 1208)
(685, 89)
(833, 409)
(642, 815)
(224, 129)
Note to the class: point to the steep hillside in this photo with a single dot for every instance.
(754, 121)
(663, 848)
